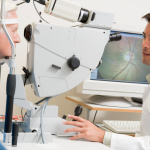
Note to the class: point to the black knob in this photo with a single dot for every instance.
(64, 117)
(73, 62)
(77, 111)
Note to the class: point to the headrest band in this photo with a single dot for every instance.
(9, 21)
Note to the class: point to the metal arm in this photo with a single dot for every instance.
(11, 80)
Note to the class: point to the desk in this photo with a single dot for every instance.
(88, 106)
(62, 144)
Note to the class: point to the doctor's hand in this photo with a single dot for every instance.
(85, 128)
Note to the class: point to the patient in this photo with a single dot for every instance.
(5, 47)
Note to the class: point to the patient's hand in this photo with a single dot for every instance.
(86, 129)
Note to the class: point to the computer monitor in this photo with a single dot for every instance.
(121, 74)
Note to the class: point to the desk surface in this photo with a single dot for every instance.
(62, 144)
(82, 102)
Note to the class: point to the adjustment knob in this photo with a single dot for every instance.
(73, 62)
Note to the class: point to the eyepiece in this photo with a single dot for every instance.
(115, 37)
(28, 32)
(83, 16)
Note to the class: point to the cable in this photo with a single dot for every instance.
(20, 3)
(41, 101)
(39, 13)
(26, 114)
(95, 116)
(41, 127)
(41, 120)
(35, 104)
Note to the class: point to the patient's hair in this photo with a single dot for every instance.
(9, 6)
(147, 17)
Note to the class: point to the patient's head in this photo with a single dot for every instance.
(146, 41)
(5, 47)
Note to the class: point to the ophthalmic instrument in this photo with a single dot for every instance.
(59, 58)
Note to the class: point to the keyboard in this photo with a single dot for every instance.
(128, 127)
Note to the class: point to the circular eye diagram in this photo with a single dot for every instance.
(122, 60)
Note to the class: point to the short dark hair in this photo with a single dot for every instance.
(147, 17)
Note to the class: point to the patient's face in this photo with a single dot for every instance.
(5, 47)
(146, 45)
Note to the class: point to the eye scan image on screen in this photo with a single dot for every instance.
(122, 61)
(121, 75)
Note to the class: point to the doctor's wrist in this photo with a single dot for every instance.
(102, 135)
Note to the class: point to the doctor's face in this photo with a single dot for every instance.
(5, 47)
(146, 45)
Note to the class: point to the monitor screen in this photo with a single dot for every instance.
(122, 61)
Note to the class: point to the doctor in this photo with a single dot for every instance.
(118, 141)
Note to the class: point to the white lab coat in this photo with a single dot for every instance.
(142, 142)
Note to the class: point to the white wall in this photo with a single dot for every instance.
(127, 12)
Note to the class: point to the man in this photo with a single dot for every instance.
(5, 47)
(118, 141)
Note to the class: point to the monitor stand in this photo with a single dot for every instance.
(109, 101)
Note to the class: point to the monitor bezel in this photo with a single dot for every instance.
(118, 89)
